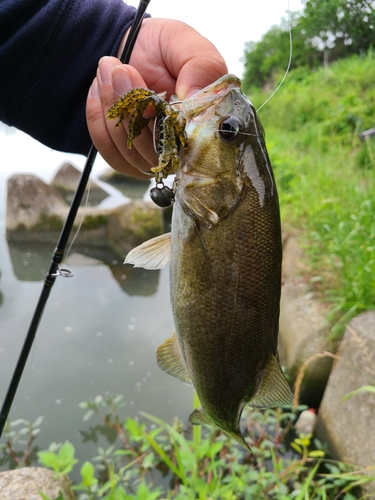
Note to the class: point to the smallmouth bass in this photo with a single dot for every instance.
(225, 259)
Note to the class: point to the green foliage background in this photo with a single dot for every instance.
(326, 176)
(325, 31)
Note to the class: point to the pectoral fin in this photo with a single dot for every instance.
(152, 254)
(274, 389)
(169, 359)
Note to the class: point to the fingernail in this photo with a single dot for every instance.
(94, 89)
(192, 92)
(121, 80)
(106, 65)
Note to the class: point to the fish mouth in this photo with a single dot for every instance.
(211, 95)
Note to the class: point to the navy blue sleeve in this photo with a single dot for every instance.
(49, 51)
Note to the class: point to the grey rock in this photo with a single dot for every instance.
(66, 181)
(31, 202)
(24, 484)
(132, 187)
(37, 212)
(304, 329)
(132, 224)
(348, 425)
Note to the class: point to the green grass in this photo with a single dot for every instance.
(326, 177)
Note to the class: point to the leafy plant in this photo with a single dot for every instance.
(59, 457)
(151, 460)
(21, 434)
(208, 464)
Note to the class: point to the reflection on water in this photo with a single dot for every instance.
(98, 335)
(30, 263)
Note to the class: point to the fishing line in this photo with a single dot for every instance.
(80, 223)
(289, 62)
(58, 255)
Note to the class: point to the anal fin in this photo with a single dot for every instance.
(169, 359)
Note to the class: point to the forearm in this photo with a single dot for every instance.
(49, 51)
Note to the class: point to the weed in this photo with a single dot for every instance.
(19, 447)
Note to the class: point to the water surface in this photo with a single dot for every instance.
(98, 335)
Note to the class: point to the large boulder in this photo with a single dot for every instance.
(304, 330)
(66, 181)
(37, 212)
(131, 224)
(348, 424)
(24, 484)
(132, 187)
(33, 205)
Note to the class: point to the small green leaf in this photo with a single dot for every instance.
(149, 461)
(166, 459)
(365, 388)
(88, 415)
(117, 399)
(66, 457)
(46, 497)
(88, 474)
(295, 446)
(49, 459)
(316, 454)
(62, 462)
(38, 421)
(143, 492)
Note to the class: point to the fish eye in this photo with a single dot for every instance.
(229, 127)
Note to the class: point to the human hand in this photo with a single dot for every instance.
(168, 56)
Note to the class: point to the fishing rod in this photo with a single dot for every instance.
(58, 254)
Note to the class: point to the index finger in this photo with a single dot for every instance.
(194, 60)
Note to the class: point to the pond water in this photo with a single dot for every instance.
(98, 335)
